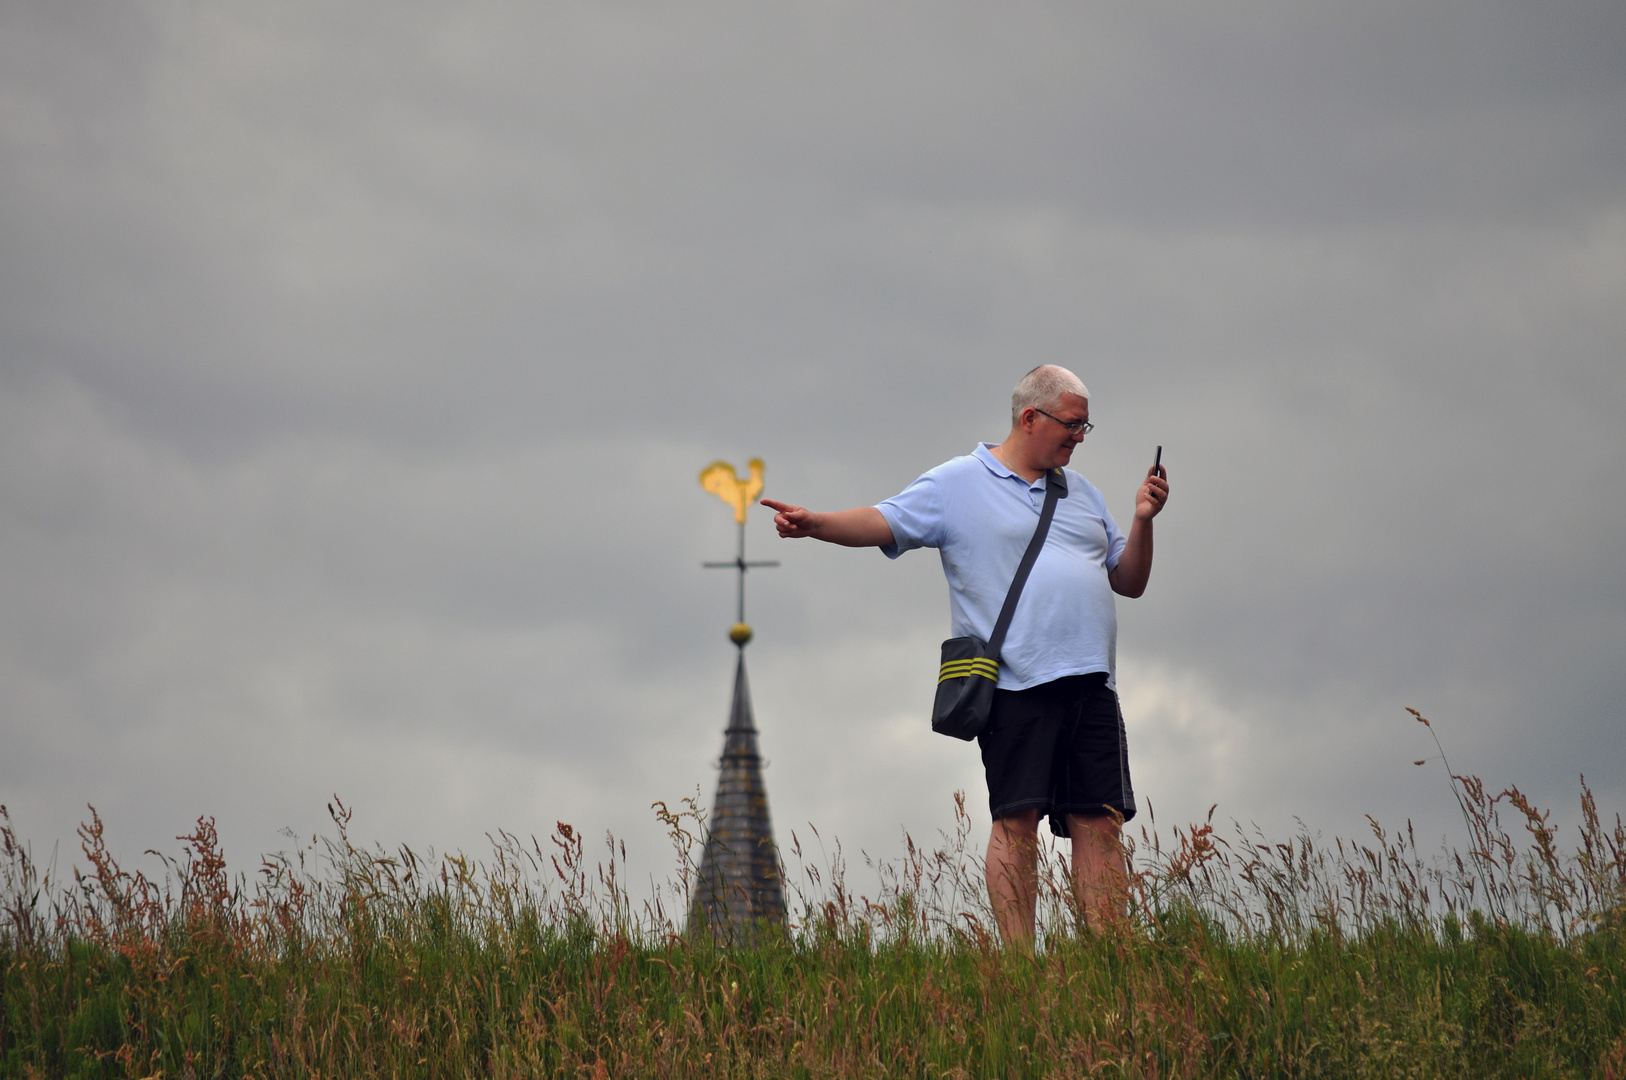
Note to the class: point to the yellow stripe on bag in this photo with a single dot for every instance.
(985, 666)
(974, 661)
(947, 675)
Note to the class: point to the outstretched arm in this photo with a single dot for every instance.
(1134, 567)
(863, 527)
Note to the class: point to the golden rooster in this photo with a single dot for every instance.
(721, 480)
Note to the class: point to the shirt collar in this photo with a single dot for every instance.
(985, 454)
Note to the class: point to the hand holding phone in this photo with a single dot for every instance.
(1154, 490)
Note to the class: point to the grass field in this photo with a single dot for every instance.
(1245, 957)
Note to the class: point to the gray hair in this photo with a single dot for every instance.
(1042, 388)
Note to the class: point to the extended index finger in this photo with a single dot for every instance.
(783, 508)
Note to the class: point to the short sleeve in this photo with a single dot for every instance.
(915, 516)
(1115, 539)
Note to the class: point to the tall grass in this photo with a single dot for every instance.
(1243, 956)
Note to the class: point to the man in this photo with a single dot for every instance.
(1054, 745)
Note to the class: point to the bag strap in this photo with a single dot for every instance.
(1055, 489)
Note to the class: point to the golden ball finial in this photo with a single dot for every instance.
(739, 633)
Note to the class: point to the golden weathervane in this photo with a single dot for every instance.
(721, 479)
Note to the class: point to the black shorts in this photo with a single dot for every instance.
(1058, 748)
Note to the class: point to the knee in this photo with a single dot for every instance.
(1023, 823)
(1102, 823)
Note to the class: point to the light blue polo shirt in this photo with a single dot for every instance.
(979, 515)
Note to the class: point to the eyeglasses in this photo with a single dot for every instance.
(1080, 428)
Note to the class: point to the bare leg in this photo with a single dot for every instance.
(1099, 872)
(1013, 876)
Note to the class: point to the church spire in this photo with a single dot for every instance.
(739, 888)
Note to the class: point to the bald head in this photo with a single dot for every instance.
(1042, 388)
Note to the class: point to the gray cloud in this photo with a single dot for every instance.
(356, 366)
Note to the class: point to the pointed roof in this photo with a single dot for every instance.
(739, 889)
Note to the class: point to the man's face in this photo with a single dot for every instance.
(1051, 438)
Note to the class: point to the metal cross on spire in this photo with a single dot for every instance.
(721, 480)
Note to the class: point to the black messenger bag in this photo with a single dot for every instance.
(965, 682)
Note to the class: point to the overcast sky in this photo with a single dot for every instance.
(358, 362)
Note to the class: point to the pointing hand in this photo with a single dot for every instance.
(792, 521)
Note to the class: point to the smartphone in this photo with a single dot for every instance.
(1157, 463)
